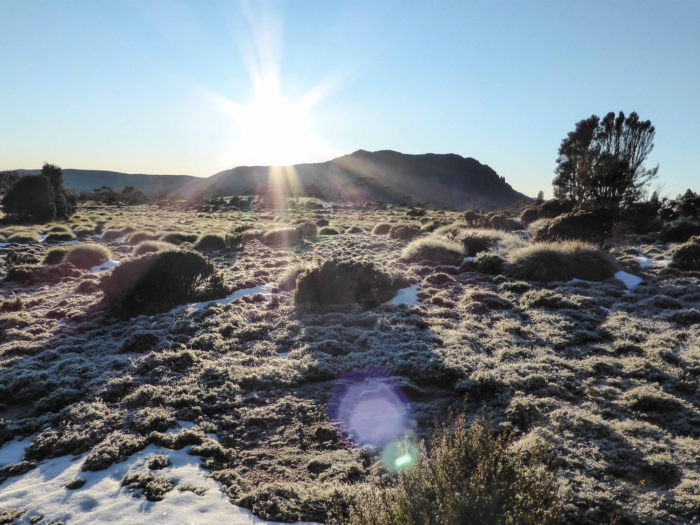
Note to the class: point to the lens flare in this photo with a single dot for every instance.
(370, 408)
(400, 455)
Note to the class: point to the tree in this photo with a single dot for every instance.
(601, 162)
(39, 198)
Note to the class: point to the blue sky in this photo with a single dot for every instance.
(185, 87)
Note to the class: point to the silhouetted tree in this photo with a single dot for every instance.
(65, 205)
(30, 199)
(601, 161)
(540, 197)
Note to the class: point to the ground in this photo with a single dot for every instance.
(605, 374)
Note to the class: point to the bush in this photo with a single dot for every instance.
(59, 236)
(581, 225)
(179, 237)
(30, 199)
(476, 241)
(467, 476)
(55, 256)
(404, 231)
(679, 231)
(87, 255)
(489, 263)
(217, 241)
(546, 210)
(155, 282)
(282, 237)
(152, 246)
(337, 282)
(327, 230)
(561, 261)
(433, 250)
(381, 229)
(687, 256)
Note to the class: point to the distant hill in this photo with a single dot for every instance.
(88, 180)
(434, 179)
(389, 176)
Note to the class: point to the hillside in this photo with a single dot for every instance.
(439, 180)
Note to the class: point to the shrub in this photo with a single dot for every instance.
(87, 255)
(433, 250)
(687, 256)
(476, 241)
(179, 237)
(59, 236)
(546, 210)
(152, 246)
(23, 237)
(327, 230)
(138, 237)
(381, 229)
(282, 237)
(679, 231)
(31, 199)
(55, 255)
(217, 241)
(467, 476)
(561, 261)
(489, 263)
(404, 231)
(155, 282)
(339, 282)
(581, 225)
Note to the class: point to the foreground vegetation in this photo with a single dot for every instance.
(589, 387)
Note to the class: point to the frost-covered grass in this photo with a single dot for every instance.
(605, 376)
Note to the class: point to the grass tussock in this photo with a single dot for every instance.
(59, 237)
(87, 255)
(467, 475)
(328, 230)
(434, 250)
(140, 236)
(55, 256)
(476, 241)
(282, 237)
(179, 237)
(341, 282)
(687, 256)
(381, 228)
(155, 282)
(152, 246)
(23, 237)
(561, 261)
(404, 231)
(217, 241)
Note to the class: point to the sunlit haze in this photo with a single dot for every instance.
(199, 87)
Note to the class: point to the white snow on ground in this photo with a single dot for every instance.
(265, 289)
(104, 266)
(13, 451)
(4, 244)
(646, 262)
(120, 239)
(102, 499)
(407, 296)
(629, 280)
(97, 235)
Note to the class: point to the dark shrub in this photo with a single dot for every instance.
(466, 475)
(217, 241)
(87, 255)
(404, 231)
(643, 216)
(31, 199)
(687, 256)
(689, 206)
(434, 250)
(680, 230)
(327, 230)
(336, 282)
(416, 212)
(282, 237)
(546, 210)
(156, 282)
(381, 229)
(179, 237)
(55, 255)
(561, 261)
(476, 241)
(581, 225)
(489, 263)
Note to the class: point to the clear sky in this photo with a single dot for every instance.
(196, 87)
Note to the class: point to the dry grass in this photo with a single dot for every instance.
(561, 261)
(87, 255)
(433, 250)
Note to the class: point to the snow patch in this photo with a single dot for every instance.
(265, 289)
(104, 266)
(646, 262)
(407, 296)
(629, 280)
(102, 499)
(13, 451)
(4, 244)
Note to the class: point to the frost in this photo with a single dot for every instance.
(629, 280)
(104, 266)
(265, 289)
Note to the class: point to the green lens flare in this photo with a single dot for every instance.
(401, 455)
(403, 462)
